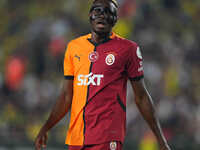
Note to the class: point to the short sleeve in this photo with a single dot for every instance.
(68, 63)
(134, 65)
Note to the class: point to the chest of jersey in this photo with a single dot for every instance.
(94, 64)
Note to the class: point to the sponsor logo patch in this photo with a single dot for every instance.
(138, 52)
(113, 145)
(140, 69)
(93, 56)
(90, 79)
(110, 59)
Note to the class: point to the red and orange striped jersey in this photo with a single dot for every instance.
(100, 73)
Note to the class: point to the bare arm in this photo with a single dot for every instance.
(146, 107)
(59, 110)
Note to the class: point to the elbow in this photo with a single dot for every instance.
(139, 99)
(144, 100)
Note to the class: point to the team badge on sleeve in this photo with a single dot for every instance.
(113, 145)
(110, 59)
(138, 52)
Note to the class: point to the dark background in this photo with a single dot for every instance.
(33, 37)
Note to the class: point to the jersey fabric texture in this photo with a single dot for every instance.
(100, 73)
(104, 146)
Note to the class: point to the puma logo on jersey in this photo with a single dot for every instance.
(90, 79)
(78, 57)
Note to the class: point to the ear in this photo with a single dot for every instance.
(89, 13)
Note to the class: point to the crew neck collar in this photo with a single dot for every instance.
(89, 38)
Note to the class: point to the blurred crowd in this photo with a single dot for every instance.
(33, 38)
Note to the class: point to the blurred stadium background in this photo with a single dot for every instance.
(33, 37)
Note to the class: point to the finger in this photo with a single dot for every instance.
(44, 141)
(37, 144)
(38, 147)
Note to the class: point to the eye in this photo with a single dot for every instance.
(98, 10)
(107, 11)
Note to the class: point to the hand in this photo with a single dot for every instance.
(165, 147)
(41, 141)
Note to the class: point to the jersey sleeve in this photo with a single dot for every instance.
(68, 63)
(134, 65)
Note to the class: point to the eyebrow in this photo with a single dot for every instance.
(96, 5)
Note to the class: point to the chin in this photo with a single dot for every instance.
(101, 31)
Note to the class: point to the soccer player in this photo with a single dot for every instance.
(96, 69)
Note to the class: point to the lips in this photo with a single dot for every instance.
(100, 23)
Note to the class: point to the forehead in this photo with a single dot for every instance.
(104, 3)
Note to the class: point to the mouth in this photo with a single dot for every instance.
(101, 23)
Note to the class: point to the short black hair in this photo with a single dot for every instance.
(113, 1)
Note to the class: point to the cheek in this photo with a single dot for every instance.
(111, 20)
(92, 24)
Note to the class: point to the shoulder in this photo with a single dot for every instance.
(130, 47)
(79, 40)
(77, 43)
(129, 44)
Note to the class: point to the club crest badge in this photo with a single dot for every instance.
(113, 145)
(110, 59)
(93, 56)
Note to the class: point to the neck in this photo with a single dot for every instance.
(98, 38)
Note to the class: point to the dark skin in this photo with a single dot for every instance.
(101, 30)
(145, 105)
(60, 109)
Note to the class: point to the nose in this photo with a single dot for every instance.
(102, 14)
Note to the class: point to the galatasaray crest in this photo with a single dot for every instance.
(110, 59)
